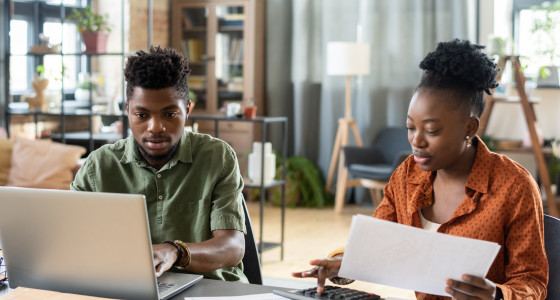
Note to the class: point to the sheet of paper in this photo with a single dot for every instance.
(267, 296)
(407, 257)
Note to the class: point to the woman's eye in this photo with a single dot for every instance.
(432, 132)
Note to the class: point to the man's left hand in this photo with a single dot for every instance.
(165, 256)
(472, 287)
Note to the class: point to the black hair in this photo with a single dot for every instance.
(157, 69)
(461, 67)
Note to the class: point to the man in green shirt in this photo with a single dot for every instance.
(191, 181)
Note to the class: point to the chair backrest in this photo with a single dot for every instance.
(392, 141)
(251, 261)
(552, 248)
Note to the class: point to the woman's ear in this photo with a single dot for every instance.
(472, 126)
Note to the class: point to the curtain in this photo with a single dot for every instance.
(400, 33)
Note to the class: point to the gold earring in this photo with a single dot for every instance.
(469, 143)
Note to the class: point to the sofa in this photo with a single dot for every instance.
(38, 163)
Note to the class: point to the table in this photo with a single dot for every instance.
(210, 287)
(263, 121)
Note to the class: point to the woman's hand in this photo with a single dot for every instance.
(324, 268)
(472, 287)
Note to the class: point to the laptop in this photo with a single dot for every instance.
(95, 244)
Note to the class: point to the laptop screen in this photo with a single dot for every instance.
(77, 242)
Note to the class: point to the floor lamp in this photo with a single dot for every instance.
(345, 59)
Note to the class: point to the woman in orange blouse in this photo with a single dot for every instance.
(453, 184)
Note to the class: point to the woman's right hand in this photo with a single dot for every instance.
(324, 268)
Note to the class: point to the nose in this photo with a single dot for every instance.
(156, 125)
(416, 139)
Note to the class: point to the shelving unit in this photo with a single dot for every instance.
(224, 42)
(263, 122)
(531, 119)
(62, 116)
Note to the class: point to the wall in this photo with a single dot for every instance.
(139, 24)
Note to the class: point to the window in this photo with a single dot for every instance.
(29, 21)
(535, 47)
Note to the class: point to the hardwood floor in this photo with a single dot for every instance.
(309, 233)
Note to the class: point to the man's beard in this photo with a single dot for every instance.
(157, 158)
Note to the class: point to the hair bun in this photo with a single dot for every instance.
(461, 60)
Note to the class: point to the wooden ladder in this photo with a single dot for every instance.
(531, 119)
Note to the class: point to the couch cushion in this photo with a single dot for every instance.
(43, 164)
(5, 160)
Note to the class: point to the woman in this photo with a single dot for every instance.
(453, 184)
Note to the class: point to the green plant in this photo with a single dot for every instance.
(89, 21)
(192, 96)
(545, 27)
(304, 183)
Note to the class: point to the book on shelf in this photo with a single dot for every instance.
(197, 82)
(236, 51)
(195, 50)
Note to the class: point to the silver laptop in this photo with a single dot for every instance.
(95, 244)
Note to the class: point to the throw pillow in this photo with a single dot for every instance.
(43, 164)
(5, 159)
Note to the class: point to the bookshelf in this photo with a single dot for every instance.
(224, 42)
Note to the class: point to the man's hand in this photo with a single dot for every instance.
(164, 257)
(324, 268)
(472, 287)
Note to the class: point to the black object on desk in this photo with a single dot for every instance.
(330, 292)
(264, 121)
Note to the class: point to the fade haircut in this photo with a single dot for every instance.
(157, 69)
(462, 68)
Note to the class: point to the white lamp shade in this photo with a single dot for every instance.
(345, 58)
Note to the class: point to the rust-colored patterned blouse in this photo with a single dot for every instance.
(502, 205)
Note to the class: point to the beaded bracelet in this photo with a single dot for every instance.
(179, 250)
(187, 252)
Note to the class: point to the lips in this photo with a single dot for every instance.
(421, 158)
(156, 144)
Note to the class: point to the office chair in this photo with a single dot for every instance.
(251, 261)
(552, 248)
(371, 167)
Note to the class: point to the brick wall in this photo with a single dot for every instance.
(139, 24)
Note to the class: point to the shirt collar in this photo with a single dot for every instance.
(183, 153)
(478, 177)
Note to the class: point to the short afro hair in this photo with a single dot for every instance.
(461, 67)
(157, 69)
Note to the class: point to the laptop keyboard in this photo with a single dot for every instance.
(330, 292)
(164, 287)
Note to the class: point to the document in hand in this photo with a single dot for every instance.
(402, 256)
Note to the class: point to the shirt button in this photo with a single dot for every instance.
(160, 197)
(158, 175)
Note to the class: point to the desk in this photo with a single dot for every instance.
(209, 288)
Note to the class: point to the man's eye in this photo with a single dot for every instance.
(171, 115)
(141, 116)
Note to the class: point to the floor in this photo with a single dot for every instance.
(309, 233)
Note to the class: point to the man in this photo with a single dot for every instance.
(191, 181)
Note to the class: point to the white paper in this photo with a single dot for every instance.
(407, 257)
(267, 296)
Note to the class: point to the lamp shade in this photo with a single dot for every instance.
(345, 58)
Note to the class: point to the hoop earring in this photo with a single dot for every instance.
(469, 143)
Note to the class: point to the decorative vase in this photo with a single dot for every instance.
(95, 41)
(255, 159)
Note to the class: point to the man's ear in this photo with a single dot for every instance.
(189, 107)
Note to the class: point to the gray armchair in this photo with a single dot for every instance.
(372, 166)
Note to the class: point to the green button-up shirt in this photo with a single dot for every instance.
(196, 192)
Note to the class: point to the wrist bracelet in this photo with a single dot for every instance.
(179, 250)
(187, 253)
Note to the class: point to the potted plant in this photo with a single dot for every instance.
(545, 30)
(305, 185)
(93, 27)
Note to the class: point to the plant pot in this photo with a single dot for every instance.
(96, 42)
